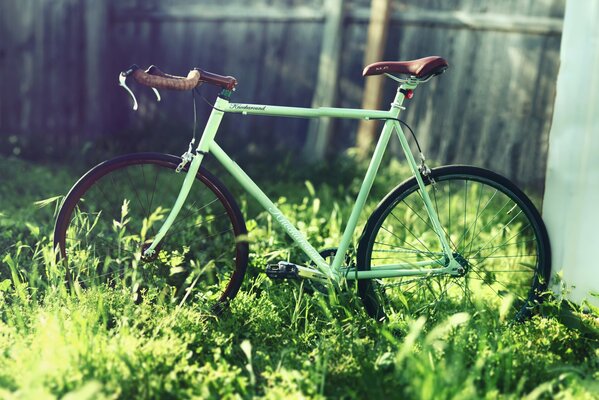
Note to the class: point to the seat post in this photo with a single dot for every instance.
(404, 90)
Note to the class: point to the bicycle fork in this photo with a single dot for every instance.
(196, 160)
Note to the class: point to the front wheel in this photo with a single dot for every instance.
(493, 229)
(113, 212)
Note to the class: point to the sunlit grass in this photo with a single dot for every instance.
(274, 341)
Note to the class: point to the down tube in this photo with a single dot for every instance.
(373, 168)
(253, 189)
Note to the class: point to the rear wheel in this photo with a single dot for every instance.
(111, 215)
(494, 231)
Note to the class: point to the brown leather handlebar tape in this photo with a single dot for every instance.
(155, 78)
(226, 82)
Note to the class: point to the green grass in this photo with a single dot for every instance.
(276, 340)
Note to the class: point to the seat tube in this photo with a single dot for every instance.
(206, 140)
(373, 167)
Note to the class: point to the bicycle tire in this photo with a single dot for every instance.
(110, 215)
(495, 268)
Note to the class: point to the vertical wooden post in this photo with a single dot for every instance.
(96, 33)
(326, 85)
(375, 49)
(17, 97)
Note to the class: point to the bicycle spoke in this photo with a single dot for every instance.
(484, 281)
(153, 190)
(414, 256)
(465, 210)
(493, 238)
(443, 230)
(476, 216)
(527, 271)
(180, 221)
(406, 250)
(467, 292)
(507, 257)
(183, 218)
(110, 244)
(492, 219)
(105, 197)
(426, 222)
(502, 246)
(449, 208)
(146, 212)
(474, 235)
(143, 175)
(409, 244)
(410, 231)
(437, 299)
(439, 216)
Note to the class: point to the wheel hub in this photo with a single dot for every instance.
(463, 267)
(153, 255)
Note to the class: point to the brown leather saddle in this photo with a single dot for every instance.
(421, 68)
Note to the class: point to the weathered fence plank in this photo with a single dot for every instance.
(326, 84)
(467, 20)
(202, 12)
(95, 18)
(373, 88)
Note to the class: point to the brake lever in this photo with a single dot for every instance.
(123, 83)
(158, 98)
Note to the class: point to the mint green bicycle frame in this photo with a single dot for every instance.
(445, 264)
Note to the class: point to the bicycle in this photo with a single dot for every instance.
(443, 238)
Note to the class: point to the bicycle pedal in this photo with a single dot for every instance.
(282, 270)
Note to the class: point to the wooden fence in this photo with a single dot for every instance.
(59, 62)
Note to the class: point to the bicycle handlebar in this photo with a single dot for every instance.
(156, 79)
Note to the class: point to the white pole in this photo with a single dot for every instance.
(571, 202)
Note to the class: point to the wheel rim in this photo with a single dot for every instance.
(112, 214)
(493, 234)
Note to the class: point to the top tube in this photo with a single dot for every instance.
(302, 112)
